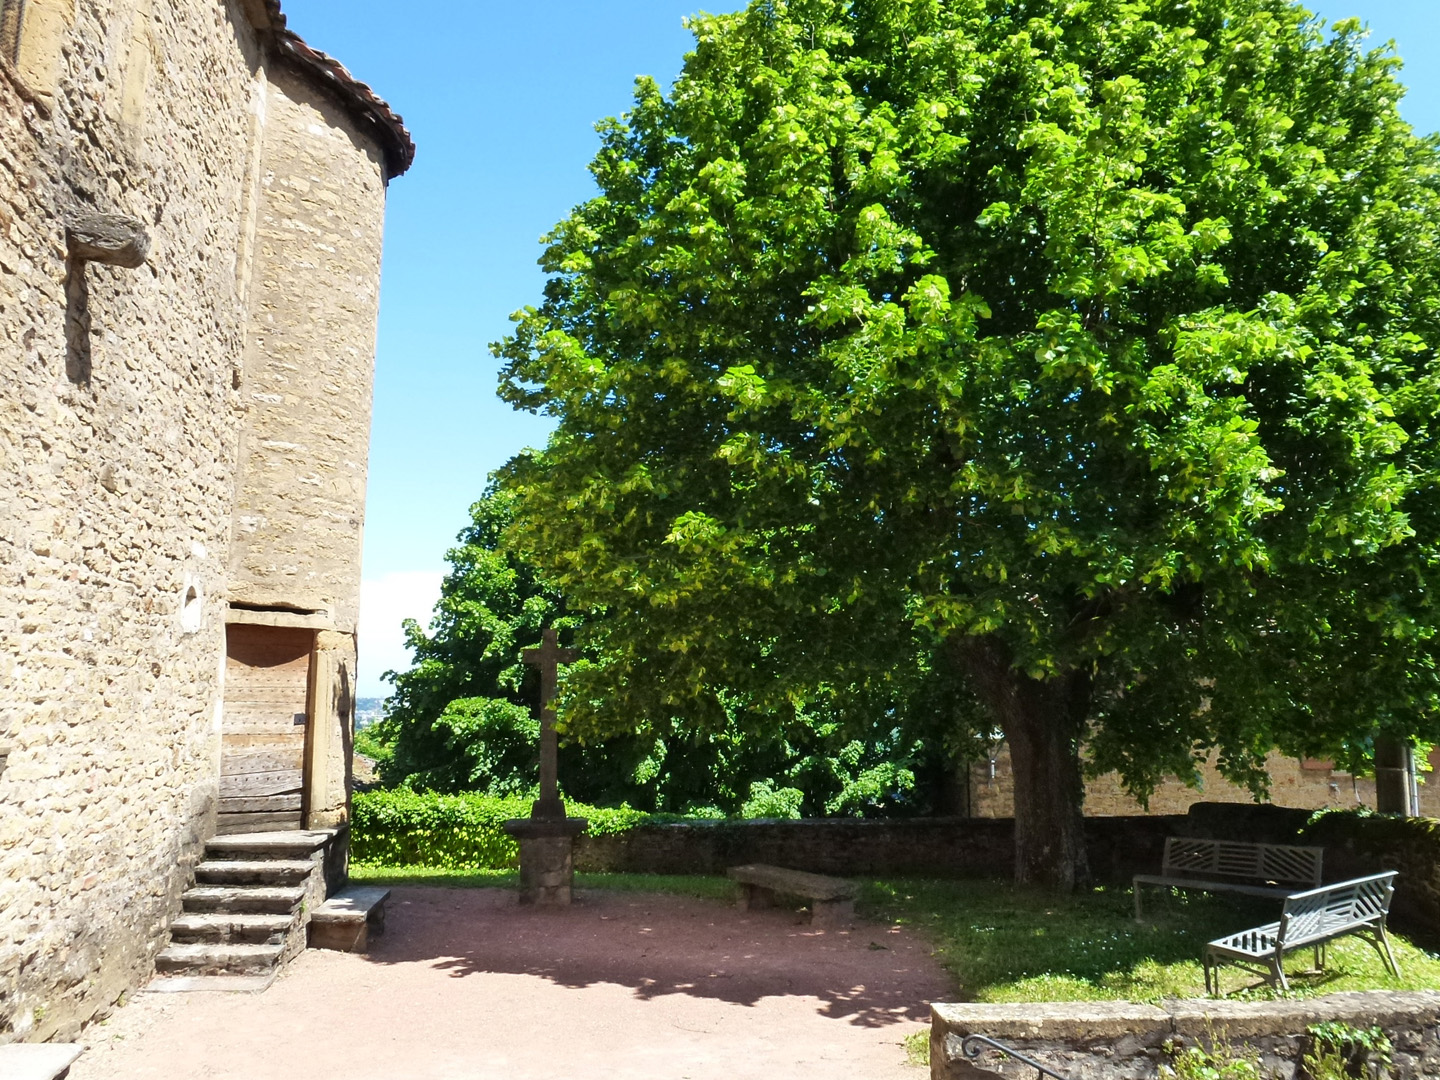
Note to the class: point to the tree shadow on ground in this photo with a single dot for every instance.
(869, 975)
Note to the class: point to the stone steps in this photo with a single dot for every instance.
(242, 899)
(223, 928)
(253, 872)
(274, 845)
(213, 959)
(244, 917)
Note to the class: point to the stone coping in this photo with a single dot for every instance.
(545, 828)
(1080, 1022)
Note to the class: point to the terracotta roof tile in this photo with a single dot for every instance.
(367, 107)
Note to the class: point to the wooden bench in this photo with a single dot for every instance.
(1309, 918)
(346, 920)
(832, 900)
(1274, 870)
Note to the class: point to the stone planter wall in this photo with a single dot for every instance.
(1122, 1040)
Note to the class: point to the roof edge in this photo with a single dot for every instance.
(372, 112)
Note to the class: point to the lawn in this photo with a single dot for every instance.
(1007, 944)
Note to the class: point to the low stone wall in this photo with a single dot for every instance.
(1121, 1040)
(931, 847)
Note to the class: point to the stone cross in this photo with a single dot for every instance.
(548, 659)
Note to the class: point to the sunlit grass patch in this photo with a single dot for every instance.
(1006, 944)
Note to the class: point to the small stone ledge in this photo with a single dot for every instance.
(37, 1061)
(1121, 1039)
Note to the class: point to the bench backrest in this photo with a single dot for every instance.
(1317, 913)
(1238, 860)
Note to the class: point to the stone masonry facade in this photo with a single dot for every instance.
(1309, 785)
(182, 445)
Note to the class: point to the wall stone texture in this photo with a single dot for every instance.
(1311, 785)
(309, 359)
(126, 395)
(1119, 847)
(1122, 1040)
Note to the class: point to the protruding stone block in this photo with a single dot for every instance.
(113, 239)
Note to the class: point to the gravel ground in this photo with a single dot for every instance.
(467, 984)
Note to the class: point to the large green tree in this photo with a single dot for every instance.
(463, 717)
(1085, 347)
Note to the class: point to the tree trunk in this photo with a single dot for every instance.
(1043, 721)
(1394, 776)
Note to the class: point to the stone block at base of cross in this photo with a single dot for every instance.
(831, 900)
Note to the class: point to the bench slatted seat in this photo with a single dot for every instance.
(1309, 919)
(1238, 866)
(832, 900)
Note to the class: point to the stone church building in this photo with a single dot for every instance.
(191, 208)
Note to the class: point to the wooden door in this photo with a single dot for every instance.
(262, 746)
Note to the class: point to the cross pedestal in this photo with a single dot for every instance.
(547, 836)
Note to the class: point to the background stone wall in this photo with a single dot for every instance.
(1119, 847)
(118, 428)
(1311, 785)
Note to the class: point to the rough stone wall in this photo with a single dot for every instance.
(1310, 785)
(309, 371)
(1123, 1040)
(1119, 847)
(118, 427)
(309, 359)
(126, 396)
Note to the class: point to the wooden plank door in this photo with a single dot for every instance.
(262, 745)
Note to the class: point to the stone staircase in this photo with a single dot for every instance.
(247, 913)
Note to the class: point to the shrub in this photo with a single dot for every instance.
(400, 827)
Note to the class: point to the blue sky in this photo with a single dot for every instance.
(502, 99)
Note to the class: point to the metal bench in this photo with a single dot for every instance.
(832, 900)
(1274, 870)
(1309, 919)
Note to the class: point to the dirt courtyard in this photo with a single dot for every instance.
(468, 984)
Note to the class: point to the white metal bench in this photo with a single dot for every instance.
(1309, 919)
(832, 900)
(1274, 870)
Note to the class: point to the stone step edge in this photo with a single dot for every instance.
(242, 866)
(38, 1061)
(219, 984)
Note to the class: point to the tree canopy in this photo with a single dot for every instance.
(463, 717)
(1084, 348)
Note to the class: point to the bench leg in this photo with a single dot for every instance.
(1389, 956)
(1210, 989)
(832, 912)
(1137, 901)
(1277, 965)
(751, 897)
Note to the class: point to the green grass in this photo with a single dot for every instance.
(1005, 944)
(370, 874)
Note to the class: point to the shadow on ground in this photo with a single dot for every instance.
(870, 975)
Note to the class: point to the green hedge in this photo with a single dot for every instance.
(457, 832)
